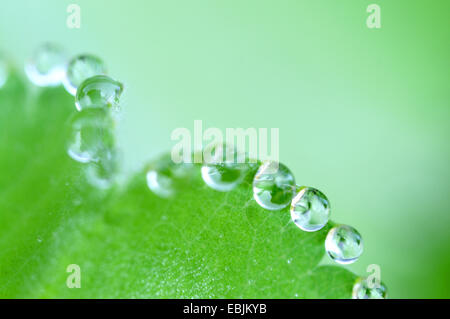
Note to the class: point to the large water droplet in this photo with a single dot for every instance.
(47, 66)
(273, 186)
(99, 91)
(223, 169)
(103, 173)
(310, 209)
(4, 70)
(92, 134)
(344, 244)
(81, 68)
(362, 290)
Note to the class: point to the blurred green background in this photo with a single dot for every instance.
(364, 114)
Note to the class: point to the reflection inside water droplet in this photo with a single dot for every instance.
(103, 173)
(223, 169)
(99, 91)
(344, 244)
(310, 209)
(363, 290)
(273, 186)
(161, 177)
(92, 134)
(160, 184)
(81, 68)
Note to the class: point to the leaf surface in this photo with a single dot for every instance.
(128, 242)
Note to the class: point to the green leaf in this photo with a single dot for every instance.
(128, 242)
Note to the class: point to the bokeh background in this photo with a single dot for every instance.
(364, 114)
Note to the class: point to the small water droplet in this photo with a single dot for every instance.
(102, 173)
(222, 170)
(160, 178)
(344, 244)
(39, 240)
(92, 134)
(81, 68)
(47, 66)
(99, 91)
(310, 209)
(289, 261)
(362, 290)
(160, 184)
(273, 186)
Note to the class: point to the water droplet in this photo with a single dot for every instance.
(310, 209)
(99, 91)
(160, 184)
(81, 68)
(39, 240)
(4, 70)
(362, 290)
(160, 178)
(102, 174)
(344, 244)
(273, 186)
(223, 169)
(289, 261)
(47, 66)
(92, 135)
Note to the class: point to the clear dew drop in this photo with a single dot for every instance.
(91, 136)
(99, 91)
(224, 167)
(362, 290)
(310, 209)
(103, 173)
(273, 186)
(81, 68)
(344, 244)
(47, 66)
(160, 184)
(161, 177)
